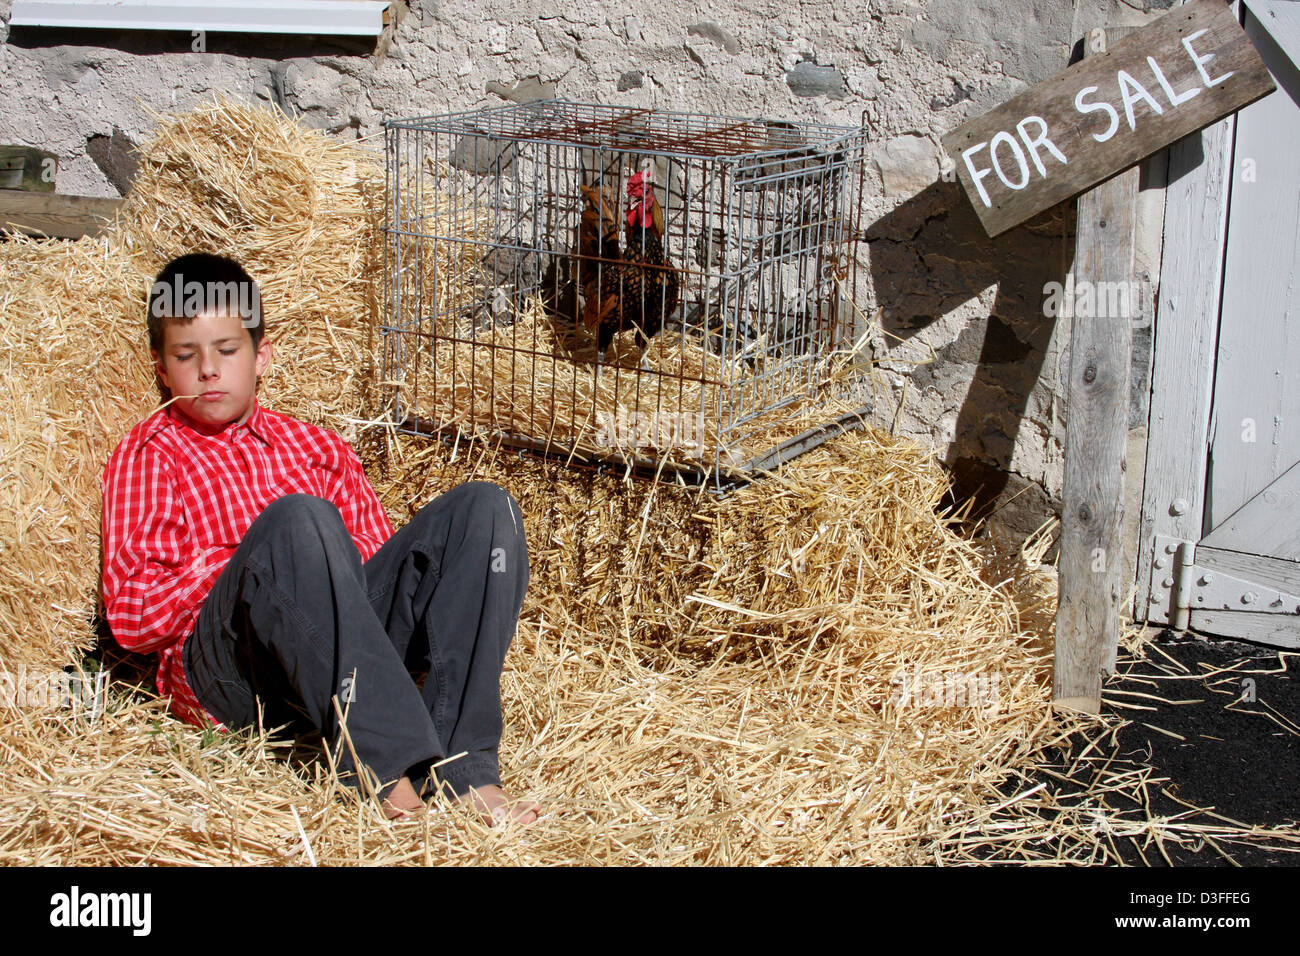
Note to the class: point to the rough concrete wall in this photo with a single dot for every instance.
(969, 308)
(915, 68)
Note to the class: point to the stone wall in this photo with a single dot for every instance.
(968, 361)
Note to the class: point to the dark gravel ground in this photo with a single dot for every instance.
(1218, 725)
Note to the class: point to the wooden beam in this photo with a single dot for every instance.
(1281, 18)
(1187, 323)
(1088, 616)
(55, 215)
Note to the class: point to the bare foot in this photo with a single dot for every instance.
(402, 802)
(496, 806)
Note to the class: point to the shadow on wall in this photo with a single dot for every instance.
(930, 255)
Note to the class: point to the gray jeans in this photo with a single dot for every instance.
(296, 618)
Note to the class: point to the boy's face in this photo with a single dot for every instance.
(211, 362)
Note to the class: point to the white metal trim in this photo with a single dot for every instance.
(327, 17)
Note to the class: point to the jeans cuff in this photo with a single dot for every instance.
(380, 780)
(472, 770)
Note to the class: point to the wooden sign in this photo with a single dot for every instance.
(1173, 77)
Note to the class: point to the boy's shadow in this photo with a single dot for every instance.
(291, 734)
(930, 255)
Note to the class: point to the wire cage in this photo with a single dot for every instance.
(662, 290)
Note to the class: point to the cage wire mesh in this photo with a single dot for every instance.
(651, 288)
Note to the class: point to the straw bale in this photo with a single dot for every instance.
(301, 213)
(71, 395)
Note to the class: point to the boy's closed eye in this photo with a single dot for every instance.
(186, 356)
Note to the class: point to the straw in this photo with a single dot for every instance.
(816, 670)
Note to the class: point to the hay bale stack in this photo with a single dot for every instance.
(300, 212)
(694, 681)
(813, 670)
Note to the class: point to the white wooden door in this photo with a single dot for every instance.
(1221, 507)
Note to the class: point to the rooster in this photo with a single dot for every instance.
(633, 286)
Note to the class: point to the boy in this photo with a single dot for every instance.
(250, 552)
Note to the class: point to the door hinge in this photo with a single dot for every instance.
(1179, 585)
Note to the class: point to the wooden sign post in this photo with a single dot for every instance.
(1170, 78)
(1092, 493)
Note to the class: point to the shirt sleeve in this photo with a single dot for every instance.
(154, 576)
(357, 502)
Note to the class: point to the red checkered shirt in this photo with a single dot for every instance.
(177, 503)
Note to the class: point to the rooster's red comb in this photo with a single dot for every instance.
(638, 188)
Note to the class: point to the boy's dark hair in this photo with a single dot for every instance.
(198, 282)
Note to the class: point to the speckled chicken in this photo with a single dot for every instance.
(635, 287)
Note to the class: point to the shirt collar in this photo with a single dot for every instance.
(154, 424)
(258, 423)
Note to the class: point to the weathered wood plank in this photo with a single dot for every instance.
(1276, 573)
(1281, 18)
(1257, 378)
(1268, 524)
(1151, 88)
(1238, 620)
(1187, 318)
(1088, 616)
(55, 215)
(1275, 630)
(1154, 176)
